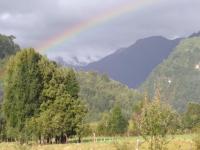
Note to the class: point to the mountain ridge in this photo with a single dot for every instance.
(125, 64)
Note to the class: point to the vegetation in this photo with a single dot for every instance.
(178, 75)
(156, 122)
(40, 99)
(7, 46)
(126, 143)
(101, 94)
(191, 117)
(113, 123)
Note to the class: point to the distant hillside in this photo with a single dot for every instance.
(132, 65)
(100, 94)
(178, 76)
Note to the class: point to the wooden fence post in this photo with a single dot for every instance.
(137, 144)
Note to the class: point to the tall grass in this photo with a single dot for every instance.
(180, 142)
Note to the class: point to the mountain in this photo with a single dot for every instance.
(196, 34)
(178, 77)
(132, 65)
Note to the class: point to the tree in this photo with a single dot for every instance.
(2, 126)
(157, 120)
(60, 119)
(117, 123)
(71, 84)
(7, 46)
(41, 99)
(22, 91)
(191, 118)
(102, 127)
(113, 123)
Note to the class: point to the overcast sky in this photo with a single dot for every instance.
(35, 21)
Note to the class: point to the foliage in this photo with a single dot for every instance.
(102, 127)
(117, 123)
(22, 91)
(62, 117)
(157, 120)
(137, 111)
(7, 46)
(41, 99)
(191, 118)
(178, 76)
(113, 123)
(101, 94)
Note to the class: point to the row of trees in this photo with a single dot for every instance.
(152, 119)
(40, 100)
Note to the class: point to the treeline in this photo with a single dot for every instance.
(152, 119)
(40, 100)
(115, 123)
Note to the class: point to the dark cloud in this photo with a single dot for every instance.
(34, 21)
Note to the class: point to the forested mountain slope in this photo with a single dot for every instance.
(178, 77)
(101, 93)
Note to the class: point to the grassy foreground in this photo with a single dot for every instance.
(183, 142)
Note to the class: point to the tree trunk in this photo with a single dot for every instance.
(63, 138)
(79, 139)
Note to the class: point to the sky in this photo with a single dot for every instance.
(33, 22)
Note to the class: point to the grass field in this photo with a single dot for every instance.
(180, 142)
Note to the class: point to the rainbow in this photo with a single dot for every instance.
(99, 19)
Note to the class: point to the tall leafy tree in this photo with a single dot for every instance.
(117, 123)
(22, 90)
(156, 121)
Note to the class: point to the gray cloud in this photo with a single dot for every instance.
(34, 21)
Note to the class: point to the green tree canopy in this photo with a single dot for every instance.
(41, 98)
(192, 116)
(156, 121)
(7, 46)
(113, 123)
(22, 90)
